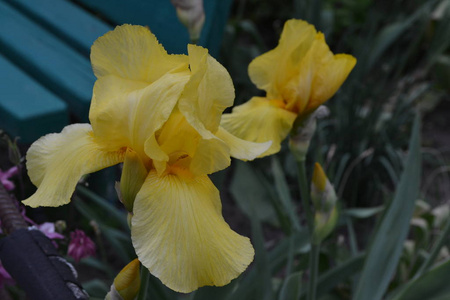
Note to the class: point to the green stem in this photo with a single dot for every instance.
(145, 281)
(304, 193)
(313, 270)
(434, 251)
(314, 252)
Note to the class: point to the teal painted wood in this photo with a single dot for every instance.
(67, 21)
(27, 109)
(53, 63)
(161, 18)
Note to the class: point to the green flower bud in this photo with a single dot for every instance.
(133, 176)
(324, 200)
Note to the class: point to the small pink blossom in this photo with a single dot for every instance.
(48, 229)
(5, 176)
(80, 245)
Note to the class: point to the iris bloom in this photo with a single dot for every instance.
(164, 111)
(299, 75)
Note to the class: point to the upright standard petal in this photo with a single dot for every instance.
(56, 162)
(260, 120)
(180, 235)
(209, 90)
(329, 79)
(125, 115)
(133, 52)
(273, 69)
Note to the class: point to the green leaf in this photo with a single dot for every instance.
(433, 285)
(261, 262)
(362, 213)
(111, 211)
(96, 288)
(284, 193)
(342, 272)
(214, 292)
(277, 258)
(291, 287)
(387, 244)
(392, 32)
(252, 195)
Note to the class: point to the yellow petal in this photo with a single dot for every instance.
(272, 70)
(179, 234)
(212, 155)
(319, 179)
(56, 162)
(132, 52)
(329, 79)
(260, 120)
(209, 91)
(242, 149)
(124, 116)
(128, 282)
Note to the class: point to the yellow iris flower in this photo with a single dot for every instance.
(166, 109)
(299, 75)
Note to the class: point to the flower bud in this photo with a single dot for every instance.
(127, 283)
(324, 200)
(301, 135)
(133, 176)
(191, 14)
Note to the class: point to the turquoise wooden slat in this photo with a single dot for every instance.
(27, 109)
(66, 20)
(161, 18)
(49, 60)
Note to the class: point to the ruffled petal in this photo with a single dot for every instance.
(56, 162)
(209, 91)
(125, 115)
(133, 52)
(260, 120)
(242, 149)
(212, 155)
(273, 69)
(329, 79)
(179, 234)
(320, 74)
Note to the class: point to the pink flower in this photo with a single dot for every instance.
(80, 245)
(48, 229)
(5, 278)
(4, 178)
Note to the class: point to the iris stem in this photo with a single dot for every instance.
(304, 193)
(315, 248)
(313, 270)
(145, 281)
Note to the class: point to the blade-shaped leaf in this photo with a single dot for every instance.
(433, 285)
(291, 287)
(283, 192)
(387, 244)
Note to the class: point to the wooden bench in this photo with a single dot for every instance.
(46, 77)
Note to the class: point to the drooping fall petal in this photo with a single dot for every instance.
(180, 235)
(242, 149)
(56, 162)
(260, 120)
